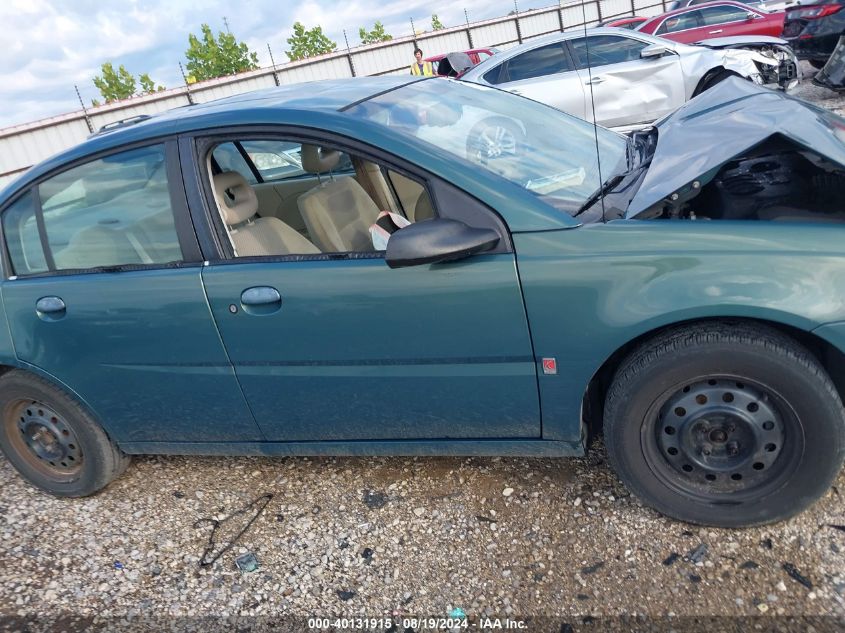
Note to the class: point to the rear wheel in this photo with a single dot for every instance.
(725, 424)
(52, 441)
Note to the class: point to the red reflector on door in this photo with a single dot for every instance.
(549, 366)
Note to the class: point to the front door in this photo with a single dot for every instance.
(329, 343)
(110, 308)
(627, 90)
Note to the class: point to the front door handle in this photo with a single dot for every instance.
(594, 81)
(260, 300)
(50, 308)
(260, 296)
(716, 31)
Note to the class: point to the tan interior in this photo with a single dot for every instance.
(252, 235)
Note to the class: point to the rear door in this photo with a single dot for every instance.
(627, 90)
(546, 74)
(107, 297)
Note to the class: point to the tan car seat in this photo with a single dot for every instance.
(252, 235)
(338, 212)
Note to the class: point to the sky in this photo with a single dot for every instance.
(52, 45)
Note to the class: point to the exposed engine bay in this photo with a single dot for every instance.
(771, 183)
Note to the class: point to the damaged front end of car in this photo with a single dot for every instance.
(767, 61)
(741, 152)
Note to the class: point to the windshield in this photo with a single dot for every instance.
(551, 154)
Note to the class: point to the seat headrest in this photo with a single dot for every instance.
(235, 197)
(317, 160)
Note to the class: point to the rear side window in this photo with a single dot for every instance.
(722, 14)
(682, 22)
(113, 211)
(538, 62)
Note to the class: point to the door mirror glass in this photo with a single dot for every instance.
(437, 240)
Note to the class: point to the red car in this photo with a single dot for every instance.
(476, 56)
(714, 19)
(631, 22)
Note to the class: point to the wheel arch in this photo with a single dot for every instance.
(6, 367)
(827, 354)
(710, 74)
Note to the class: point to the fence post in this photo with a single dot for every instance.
(349, 54)
(187, 87)
(516, 18)
(469, 30)
(273, 61)
(633, 8)
(84, 110)
(598, 10)
(560, 17)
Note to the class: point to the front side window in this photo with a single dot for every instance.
(313, 199)
(113, 211)
(606, 49)
(538, 62)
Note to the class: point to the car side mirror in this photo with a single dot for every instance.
(437, 240)
(752, 16)
(653, 51)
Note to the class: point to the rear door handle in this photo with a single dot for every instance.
(716, 31)
(594, 81)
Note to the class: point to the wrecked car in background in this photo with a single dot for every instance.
(714, 19)
(681, 291)
(632, 78)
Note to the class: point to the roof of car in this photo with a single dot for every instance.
(260, 106)
(703, 5)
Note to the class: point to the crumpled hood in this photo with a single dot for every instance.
(725, 122)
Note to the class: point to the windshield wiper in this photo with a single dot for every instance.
(601, 191)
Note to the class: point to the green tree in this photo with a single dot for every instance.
(217, 57)
(113, 84)
(378, 34)
(436, 24)
(308, 43)
(148, 85)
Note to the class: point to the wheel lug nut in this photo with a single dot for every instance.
(706, 449)
(733, 448)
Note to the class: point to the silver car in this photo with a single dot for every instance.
(632, 78)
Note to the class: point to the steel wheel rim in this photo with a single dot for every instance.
(43, 439)
(722, 439)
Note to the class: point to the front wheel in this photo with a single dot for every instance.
(52, 441)
(725, 424)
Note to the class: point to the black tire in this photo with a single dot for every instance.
(712, 79)
(817, 63)
(52, 441)
(493, 138)
(749, 411)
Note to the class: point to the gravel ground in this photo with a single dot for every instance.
(386, 536)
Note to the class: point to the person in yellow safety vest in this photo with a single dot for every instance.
(420, 67)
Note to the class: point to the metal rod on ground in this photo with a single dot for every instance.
(273, 61)
(349, 54)
(84, 110)
(187, 86)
